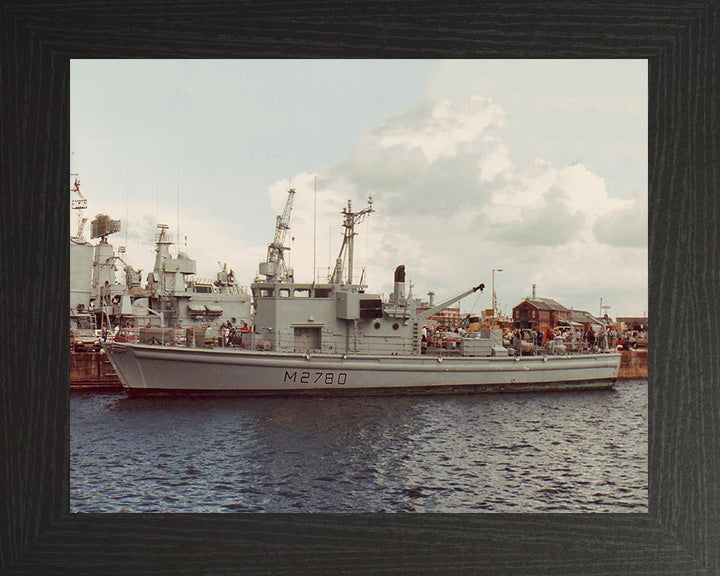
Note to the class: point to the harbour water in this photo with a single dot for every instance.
(532, 452)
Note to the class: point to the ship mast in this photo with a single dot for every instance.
(79, 204)
(350, 218)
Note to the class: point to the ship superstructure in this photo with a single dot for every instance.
(339, 316)
(172, 296)
(175, 297)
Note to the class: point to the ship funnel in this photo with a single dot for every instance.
(399, 291)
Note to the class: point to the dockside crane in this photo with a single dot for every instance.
(274, 268)
(425, 314)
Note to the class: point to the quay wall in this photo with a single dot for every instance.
(634, 365)
(92, 370)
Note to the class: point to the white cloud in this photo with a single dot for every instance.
(462, 184)
(626, 225)
(443, 127)
(495, 162)
(522, 189)
(451, 206)
(585, 191)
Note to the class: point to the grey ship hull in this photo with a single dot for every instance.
(149, 370)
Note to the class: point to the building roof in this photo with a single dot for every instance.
(633, 320)
(584, 317)
(627, 319)
(545, 304)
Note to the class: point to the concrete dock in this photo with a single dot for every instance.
(634, 365)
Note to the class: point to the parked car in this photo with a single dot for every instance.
(84, 334)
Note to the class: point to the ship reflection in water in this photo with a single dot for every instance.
(533, 452)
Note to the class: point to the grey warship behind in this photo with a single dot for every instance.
(172, 300)
(336, 338)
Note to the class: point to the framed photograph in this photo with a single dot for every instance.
(670, 526)
(479, 210)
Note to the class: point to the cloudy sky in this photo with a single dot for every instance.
(538, 168)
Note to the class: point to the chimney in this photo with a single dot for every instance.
(399, 291)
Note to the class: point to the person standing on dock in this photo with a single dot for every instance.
(590, 337)
(611, 337)
(231, 332)
(224, 334)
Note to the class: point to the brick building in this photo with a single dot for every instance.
(539, 313)
(446, 318)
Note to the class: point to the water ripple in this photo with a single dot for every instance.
(560, 452)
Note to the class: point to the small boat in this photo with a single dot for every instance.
(336, 338)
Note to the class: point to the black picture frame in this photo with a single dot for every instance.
(681, 532)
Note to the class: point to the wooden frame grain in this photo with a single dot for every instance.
(681, 532)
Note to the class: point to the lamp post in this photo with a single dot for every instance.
(606, 307)
(494, 298)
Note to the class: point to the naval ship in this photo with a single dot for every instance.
(335, 337)
(173, 304)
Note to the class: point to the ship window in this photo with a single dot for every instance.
(322, 292)
(396, 326)
(376, 325)
(266, 292)
(301, 293)
(284, 292)
(370, 308)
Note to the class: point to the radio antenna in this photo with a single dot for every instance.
(314, 230)
(178, 218)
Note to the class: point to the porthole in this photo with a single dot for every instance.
(376, 325)
(396, 326)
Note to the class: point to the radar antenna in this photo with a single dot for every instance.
(274, 268)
